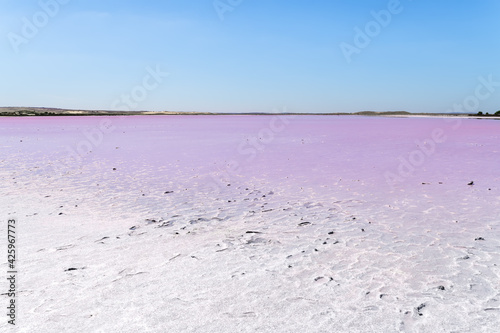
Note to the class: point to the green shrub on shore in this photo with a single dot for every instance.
(487, 114)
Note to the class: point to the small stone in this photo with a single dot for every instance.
(479, 239)
(441, 288)
(471, 183)
(420, 307)
(331, 232)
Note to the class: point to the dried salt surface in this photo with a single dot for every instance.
(253, 224)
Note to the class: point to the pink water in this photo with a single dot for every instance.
(373, 159)
(309, 150)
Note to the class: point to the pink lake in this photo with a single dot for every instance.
(376, 214)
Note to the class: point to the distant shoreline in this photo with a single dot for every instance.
(51, 112)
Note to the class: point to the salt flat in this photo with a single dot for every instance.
(253, 223)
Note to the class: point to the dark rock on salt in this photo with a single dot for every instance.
(471, 183)
(70, 269)
(479, 239)
(301, 224)
(441, 288)
(420, 307)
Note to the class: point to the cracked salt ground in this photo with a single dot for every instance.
(369, 258)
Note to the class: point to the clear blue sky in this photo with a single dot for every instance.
(264, 55)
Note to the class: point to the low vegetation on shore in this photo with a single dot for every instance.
(41, 111)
